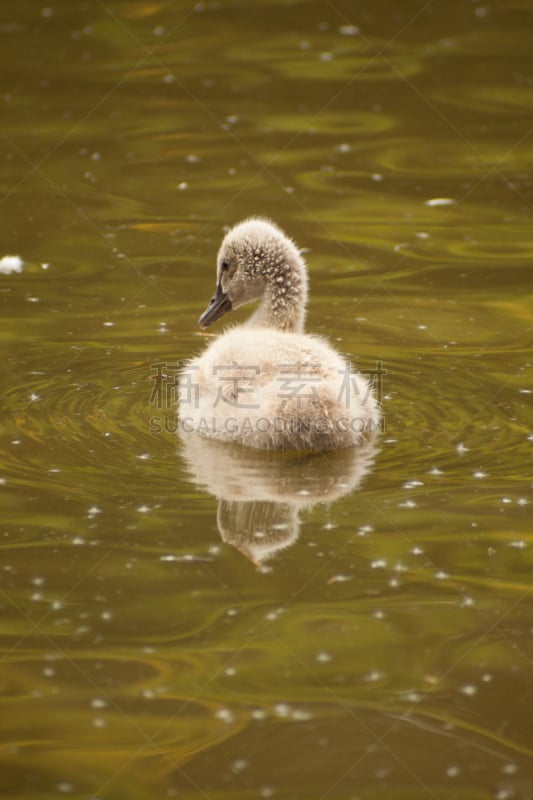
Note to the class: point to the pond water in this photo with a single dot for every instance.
(185, 620)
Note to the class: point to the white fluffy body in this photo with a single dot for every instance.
(267, 384)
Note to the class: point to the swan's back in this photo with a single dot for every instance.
(262, 384)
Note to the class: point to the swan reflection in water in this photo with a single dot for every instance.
(261, 493)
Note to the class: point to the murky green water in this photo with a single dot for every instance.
(377, 641)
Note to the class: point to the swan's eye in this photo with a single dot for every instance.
(225, 266)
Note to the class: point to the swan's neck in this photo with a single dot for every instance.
(283, 303)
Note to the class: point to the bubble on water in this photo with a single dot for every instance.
(468, 689)
(378, 563)
(504, 794)
(99, 702)
(374, 675)
(441, 575)
(453, 771)
(144, 509)
(435, 471)
(412, 484)
(301, 715)
(348, 30)
(272, 616)
(461, 448)
(65, 786)
(225, 715)
(413, 697)
(339, 579)
(440, 201)
(363, 530)
(239, 765)
(323, 657)
(407, 504)
(479, 474)
(519, 544)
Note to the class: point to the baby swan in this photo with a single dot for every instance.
(266, 383)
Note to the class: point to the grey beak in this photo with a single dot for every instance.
(218, 305)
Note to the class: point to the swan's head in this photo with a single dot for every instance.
(254, 254)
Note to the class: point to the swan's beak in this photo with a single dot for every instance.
(218, 305)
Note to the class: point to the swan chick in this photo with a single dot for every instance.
(266, 383)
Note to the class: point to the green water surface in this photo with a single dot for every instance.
(180, 619)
